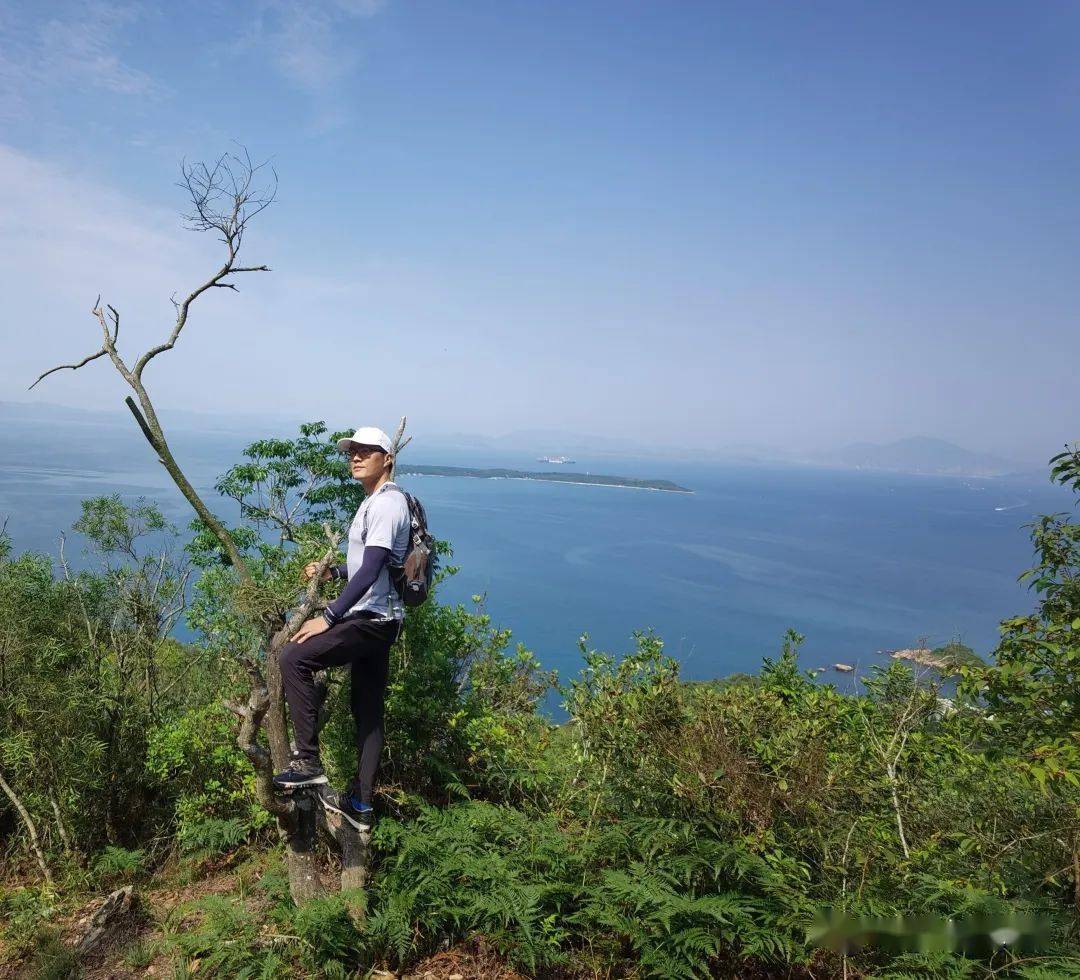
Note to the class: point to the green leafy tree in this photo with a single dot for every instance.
(1030, 692)
(86, 670)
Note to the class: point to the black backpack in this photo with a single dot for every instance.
(414, 576)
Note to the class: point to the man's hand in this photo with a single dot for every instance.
(311, 567)
(313, 627)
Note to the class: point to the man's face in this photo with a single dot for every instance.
(366, 462)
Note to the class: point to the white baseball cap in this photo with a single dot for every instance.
(367, 435)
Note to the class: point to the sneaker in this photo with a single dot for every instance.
(360, 815)
(302, 772)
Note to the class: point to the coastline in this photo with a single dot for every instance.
(540, 479)
(597, 480)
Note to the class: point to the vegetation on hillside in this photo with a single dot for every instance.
(663, 830)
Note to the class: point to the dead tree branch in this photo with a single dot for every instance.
(225, 196)
(398, 441)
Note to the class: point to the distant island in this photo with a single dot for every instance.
(585, 479)
(556, 459)
(949, 659)
(928, 457)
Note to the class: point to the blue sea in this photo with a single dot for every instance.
(859, 562)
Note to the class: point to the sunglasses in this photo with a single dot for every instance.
(363, 451)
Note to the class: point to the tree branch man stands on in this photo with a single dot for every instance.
(356, 630)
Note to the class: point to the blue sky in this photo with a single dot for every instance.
(700, 223)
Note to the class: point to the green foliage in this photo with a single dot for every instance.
(226, 940)
(84, 659)
(623, 709)
(474, 867)
(24, 913)
(113, 527)
(141, 953)
(195, 760)
(326, 930)
(287, 490)
(956, 655)
(228, 936)
(670, 897)
(1030, 692)
(53, 959)
(207, 837)
(109, 729)
(118, 864)
(461, 711)
(666, 829)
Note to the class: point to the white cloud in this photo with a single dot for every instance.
(64, 239)
(62, 52)
(307, 42)
(84, 50)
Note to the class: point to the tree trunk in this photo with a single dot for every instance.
(299, 828)
(300, 855)
(890, 770)
(355, 859)
(1076, 876)
(60, 823)
(112, 832)
(31, 829)
(277, 729)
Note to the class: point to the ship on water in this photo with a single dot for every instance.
(554, 459)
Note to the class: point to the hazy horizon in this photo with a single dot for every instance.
(256, 425)
(699, 225)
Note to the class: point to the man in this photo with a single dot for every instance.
(357, 630)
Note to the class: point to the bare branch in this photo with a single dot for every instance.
(251, 715)
(68, 367)
(311, 594)
(397, 441)
(78, 592)
(116, 322)
(130, 402)
(224, 198)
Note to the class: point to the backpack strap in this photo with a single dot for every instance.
(388, 485)
(410, 503)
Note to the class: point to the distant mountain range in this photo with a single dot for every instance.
(932, 457)
(919, 455)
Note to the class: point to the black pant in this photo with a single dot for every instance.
(364, 645)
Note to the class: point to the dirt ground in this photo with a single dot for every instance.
(473, 960)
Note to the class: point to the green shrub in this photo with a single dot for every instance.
(196, 762)
(226, 940)
(206, 837)
(23, 914)
(326, 931)
(118, 864)
(53, 959)
(665, 897)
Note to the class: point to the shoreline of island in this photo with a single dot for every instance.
(576, 479)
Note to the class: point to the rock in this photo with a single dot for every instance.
(920, 656)
(843, 668)
(117, 907)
